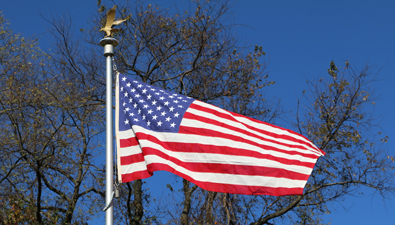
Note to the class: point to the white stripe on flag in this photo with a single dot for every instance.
(245, 180)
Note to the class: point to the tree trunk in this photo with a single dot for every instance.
(39, 190)
(136, 211)
(209, 207)
(187, 202)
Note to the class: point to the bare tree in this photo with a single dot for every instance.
(50, 128)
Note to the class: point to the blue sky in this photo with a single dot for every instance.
(300, 39)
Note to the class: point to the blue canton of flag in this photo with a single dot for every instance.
(150, 107)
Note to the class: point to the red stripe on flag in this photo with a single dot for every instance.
(128, 142)
(202, 148)
(228, 168)
(126, 160)
(128, 177)
(211, 133)
(229, 188)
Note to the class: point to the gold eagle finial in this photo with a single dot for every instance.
(108, 27)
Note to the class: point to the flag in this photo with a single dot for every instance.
(215, 149)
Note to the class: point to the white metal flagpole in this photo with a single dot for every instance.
(109, 44)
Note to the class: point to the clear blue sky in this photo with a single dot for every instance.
(300, 39)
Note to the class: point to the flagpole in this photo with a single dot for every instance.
(109, 44)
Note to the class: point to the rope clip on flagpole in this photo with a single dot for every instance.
(115, 194)
(109, 43)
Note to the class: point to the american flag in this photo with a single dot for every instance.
(216, 149)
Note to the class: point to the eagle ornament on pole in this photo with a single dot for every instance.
(108, 42)
(108, 27)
